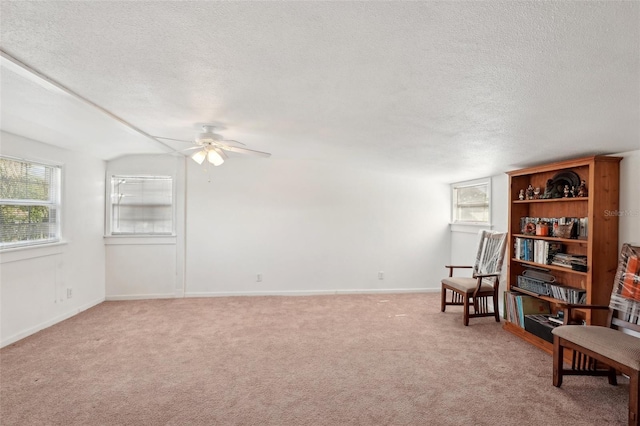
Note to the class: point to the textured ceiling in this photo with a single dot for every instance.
(455, 90)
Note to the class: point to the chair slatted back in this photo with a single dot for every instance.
(625, 295)
(490, 256)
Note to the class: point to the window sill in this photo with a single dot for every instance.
(139, 240)
(470, 228)
(16, 254)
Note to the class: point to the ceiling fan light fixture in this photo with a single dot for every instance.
(214, 158)
(199, 156)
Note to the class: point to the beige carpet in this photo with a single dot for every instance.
(316, 360)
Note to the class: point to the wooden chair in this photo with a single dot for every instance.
(483, 285)
(603, 350)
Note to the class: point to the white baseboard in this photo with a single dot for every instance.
(309, 292)
(115, 297)
(49, 323)
(32, 330)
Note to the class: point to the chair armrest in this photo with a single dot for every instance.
(579, 306)
(452, 267)
(486, 275)
(567, 308)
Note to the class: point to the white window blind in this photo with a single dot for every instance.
(29, 203)
(141, 205)
(471, 202)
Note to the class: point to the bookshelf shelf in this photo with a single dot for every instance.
(599, 246)
(550, 267)
(552, 200)
(559, 240)
(549, 299)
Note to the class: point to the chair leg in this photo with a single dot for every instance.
(443, 299)
(466, 310)
(496, 307)
(557, 361)
(634, 408)
(613, 380)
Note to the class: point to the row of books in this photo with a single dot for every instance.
(538, 251)
(580, 226)
(518, 305)
(568, 294)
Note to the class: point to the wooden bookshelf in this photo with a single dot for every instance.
(600, 246)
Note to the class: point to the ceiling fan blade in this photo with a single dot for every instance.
(182, 151)
(246, 151)
(171, 139)
(234, 141)
(189, 149)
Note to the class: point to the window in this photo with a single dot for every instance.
(29, 203)
(471, 202)
(141, 205)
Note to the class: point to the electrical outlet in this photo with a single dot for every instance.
(69, 293)
(381, 275)
(259, 278)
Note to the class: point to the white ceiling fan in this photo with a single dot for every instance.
(212, 146)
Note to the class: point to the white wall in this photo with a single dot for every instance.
(144, 267)
(34, 281)
(311, 227)
(629, 225)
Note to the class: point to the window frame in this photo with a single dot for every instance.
(109, 228)
(454, 206)
(56, 203)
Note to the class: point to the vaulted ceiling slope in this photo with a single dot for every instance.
(452, 89)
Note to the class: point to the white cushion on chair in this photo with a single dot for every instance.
(466, 285)
(606, 341)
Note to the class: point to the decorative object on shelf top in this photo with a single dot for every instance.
(530, 191)
(563, 182)
(566, 184)
(548, 190)
(536, 193)
(582, 189)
